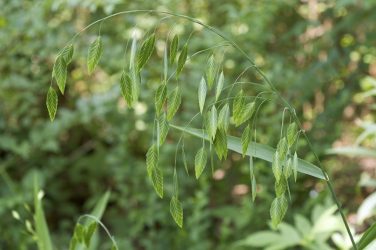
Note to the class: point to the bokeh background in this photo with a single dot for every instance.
(321, 56)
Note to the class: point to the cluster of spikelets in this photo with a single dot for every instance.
(217, 116)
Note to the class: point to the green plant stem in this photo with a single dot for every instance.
(262, 74)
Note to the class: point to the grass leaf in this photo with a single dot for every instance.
(41, 228)
(368, 237)
(257, 150)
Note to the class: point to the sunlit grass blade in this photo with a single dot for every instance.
(257, 150)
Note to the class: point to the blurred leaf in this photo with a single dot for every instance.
(41, 228)
(353, 151)
(368, 237)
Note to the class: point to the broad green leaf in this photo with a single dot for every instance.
(220, 144)
(282, 149)
(173, 102)
(262, 240)
(157, 180)
(160, 98)
(210, 71)
(292, 134)
(212, 122)
(182, 59)
(257, 150)
(41, 228)
(94, 54)
(89, 232)
(353, 151)
(51, 103)
(278, 210)
(295, 166)
(246, 139)
(277, 167)
(254, 187)
(163, 128)
(126, 88)
(176, 211)
(60, 73)
(238, 107)
(288, 169)
(224, 118)
(368, 237)
(174, 48)
(145, 52)
(200, 161)
(151, 159)
(219, 87)
(280, 187)
(67, 53)
(202, 89)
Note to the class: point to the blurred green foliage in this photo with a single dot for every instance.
(316, 52)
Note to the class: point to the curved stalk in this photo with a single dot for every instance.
(257, 70)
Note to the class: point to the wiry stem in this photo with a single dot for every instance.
(261, 73)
